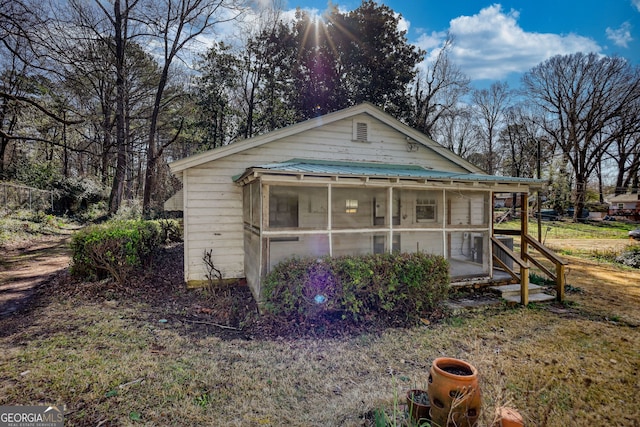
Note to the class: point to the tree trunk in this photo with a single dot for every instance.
(152, 147)
(65, 148)
(117, 188)
(4, 142)
(600, 183)
(579, 201)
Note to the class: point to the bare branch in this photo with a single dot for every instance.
(37, 105)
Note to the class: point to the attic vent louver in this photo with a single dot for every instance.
(362, 131)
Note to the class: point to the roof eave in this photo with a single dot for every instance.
(508, 185)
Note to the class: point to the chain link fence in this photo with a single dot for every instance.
(15, 197)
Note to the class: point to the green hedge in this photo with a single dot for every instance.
(116, 248)
(392, 287)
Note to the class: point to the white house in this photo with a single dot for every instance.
(354, 181)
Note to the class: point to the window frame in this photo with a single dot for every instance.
(430, 202)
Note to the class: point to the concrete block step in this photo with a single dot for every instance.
(539, 297)
(514, 290)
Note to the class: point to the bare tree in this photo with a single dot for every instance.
(523, 146)
(437, 91)
(490, 105)
(17, 18)
(25, 81)
(521, 140)
(93, 50)
(454, 130)
(582, 95)
(119, 18)
(12, 81)
(625, 151)
(174, 25)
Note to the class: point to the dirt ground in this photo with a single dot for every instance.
(27, 265)
(608, 291)
(33, 274)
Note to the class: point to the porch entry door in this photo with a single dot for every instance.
(380, 209)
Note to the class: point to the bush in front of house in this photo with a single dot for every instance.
(393, 288)
(114, 248)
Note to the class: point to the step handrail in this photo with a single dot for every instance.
(524, 269)
(510, 253)
(559, 263)
(546, 252)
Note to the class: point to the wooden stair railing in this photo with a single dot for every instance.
(558, 277)
(523, 278)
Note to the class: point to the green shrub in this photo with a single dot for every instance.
(83, 197)
(114, 249)
(394, 288)
(129, 210)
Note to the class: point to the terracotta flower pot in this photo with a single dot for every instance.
(418, 404)
(508, 417)
(454, 393)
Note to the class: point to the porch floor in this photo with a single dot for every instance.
(467, 275)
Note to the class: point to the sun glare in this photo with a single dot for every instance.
(318, 31)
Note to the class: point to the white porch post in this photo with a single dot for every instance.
(390, 217)
(329, 219)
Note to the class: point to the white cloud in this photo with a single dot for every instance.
(491, 44)
(431, 41)
(620, 36)
(404, 24)
(636, 3)
(263, 4)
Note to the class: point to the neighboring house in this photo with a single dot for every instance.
(355, 181)
(626, 206)
(505, 200)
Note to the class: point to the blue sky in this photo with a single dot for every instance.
(502, 40)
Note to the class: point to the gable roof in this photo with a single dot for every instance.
(621, 198)
(378, 170)
(364, 108)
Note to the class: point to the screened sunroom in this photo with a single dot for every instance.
(304, 208)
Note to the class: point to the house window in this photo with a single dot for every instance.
(426, 210)
(351, 206)
(620, 205)
(380, 209)
(283, 207)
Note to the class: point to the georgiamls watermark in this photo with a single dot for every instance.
(31, 416)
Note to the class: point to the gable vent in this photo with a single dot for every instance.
(362, 131)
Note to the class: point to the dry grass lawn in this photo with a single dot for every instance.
(113, 362)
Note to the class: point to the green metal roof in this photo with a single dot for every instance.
(382, 170)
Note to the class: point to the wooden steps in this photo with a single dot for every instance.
(511, 293)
